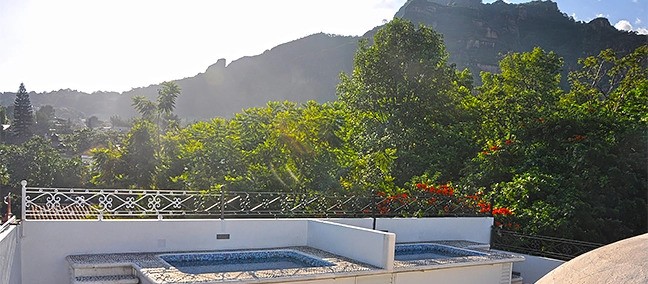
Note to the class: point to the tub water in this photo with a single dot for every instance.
(220, 262)
(409, 252)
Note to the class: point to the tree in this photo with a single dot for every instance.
(44, 116)
(161, 111)
(40, 164)
(568, 164)
(140, 154)
(523, 94)
(3, 115)
(93, 122)
(117, 121)
(23, 115)
(408, 98)
(3, 121)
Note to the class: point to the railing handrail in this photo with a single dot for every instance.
(540, 245)
(10, 221)
(543, 237)
(186, 191)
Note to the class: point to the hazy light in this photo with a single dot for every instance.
(117, 45)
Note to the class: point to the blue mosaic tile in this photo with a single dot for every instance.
(243, 257)
(437, 249)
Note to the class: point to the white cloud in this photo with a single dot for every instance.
(637, 21)
(573, 15)
(623, 25)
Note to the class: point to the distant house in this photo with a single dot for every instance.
(121, 129)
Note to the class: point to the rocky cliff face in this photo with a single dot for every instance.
(477, 35)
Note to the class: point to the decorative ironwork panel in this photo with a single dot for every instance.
(282, 204)
(70, 203)
(56, 203)
(553, 247)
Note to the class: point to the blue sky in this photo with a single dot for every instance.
(116, 45)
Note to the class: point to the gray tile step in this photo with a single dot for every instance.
(110, 279)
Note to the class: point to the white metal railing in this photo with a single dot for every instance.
(86, 203)
(75, 203)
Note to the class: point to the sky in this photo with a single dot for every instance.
(116, 45)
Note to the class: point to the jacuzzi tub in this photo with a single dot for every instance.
(231, 261)
(424, 251)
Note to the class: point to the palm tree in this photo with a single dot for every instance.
(160, 112)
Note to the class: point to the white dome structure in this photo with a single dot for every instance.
(625, 261)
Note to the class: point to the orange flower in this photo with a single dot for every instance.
(502, 211)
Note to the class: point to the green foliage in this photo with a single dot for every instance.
(3, 115)
(522, 95)
(44, 115)
(161, 111)
(109, 169)
(40, 164)
(140, 154)
(117, 121)
(83, 140)
(289, 148)
(569, 164)
(409, 100)
(611, 84)
(200, 156)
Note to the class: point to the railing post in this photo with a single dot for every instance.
(23, 208)
(222, 203)
(373, 209)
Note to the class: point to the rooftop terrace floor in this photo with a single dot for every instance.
(155, 270)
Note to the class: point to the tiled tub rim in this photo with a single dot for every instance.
(486, 256)
(465, 251)
(309, 259)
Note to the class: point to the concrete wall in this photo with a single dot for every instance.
(476, 229)
(493, 273)
(366, 223)
(47, 243)
(10, 256)
(432, 229)
(534, 267)
(368, 246)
